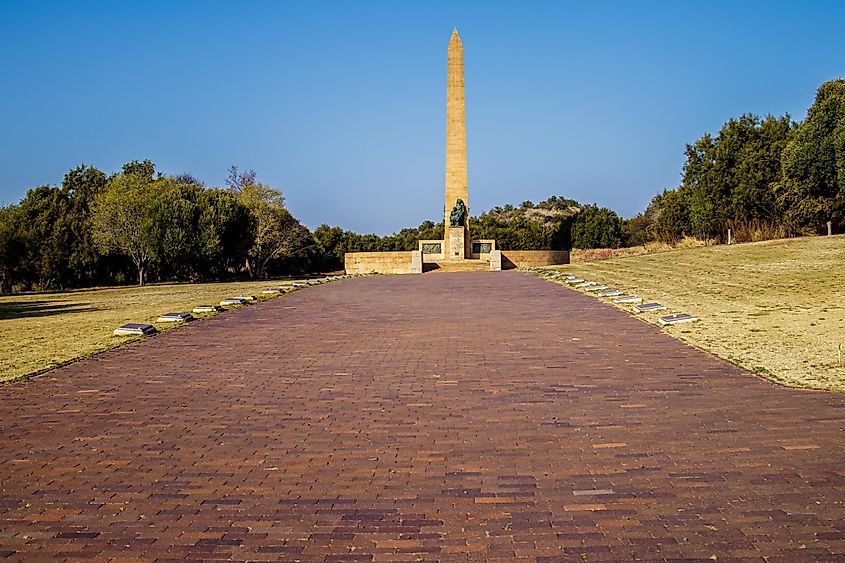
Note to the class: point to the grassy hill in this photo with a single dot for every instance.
(776, 307)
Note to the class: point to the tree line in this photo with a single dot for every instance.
(139, 224)
(762, 178)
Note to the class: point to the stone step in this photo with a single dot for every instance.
(457, 266)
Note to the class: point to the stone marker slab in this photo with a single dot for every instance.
(654, 306)
(629, 299)
(233, 301)
(610, 293)
(207, 309)
(573, 281)
(597, 287)
(134, 329)
(583, 284)
(680, 318)
(272, 290)
(175, 318)
(245, 297)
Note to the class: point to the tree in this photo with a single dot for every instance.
(237, 180)
(171, 227)
(597, 227)
(331, 246)
(277, 232)
(11, 247)
(187, 178)
(672, 216)
(758, 170)
(81, 186)
(638, 229)
(226, 232)
(120, 217)
(812, 191)
(143, 169)
(43, 216)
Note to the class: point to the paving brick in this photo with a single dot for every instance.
(459, 417)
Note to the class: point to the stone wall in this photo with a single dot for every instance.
(400, 262)
(521, 258)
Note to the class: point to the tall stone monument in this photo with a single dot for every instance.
(456, 215)
(456, 251)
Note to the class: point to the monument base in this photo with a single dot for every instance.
(457, 243)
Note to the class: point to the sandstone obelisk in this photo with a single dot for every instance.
(456, 238)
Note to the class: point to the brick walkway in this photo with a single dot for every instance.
(476, 416)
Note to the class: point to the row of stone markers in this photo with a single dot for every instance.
(617, 296)
(141, 329)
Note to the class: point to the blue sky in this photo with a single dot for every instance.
(342, 104)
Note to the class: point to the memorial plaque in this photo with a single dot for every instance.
(585, 284)
(233, 301)
(272, 290)
(676, 319)
(572, 281)
(611, 293)
(654, 306)
(174, 318)
(629, 299)
(596, 287)
(207, 309)
(481, 247)
(134, 329)
(432, 248)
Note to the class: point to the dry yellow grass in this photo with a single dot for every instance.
(44, 330)
(776, 307)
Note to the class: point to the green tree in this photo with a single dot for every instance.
(171, 228)
(758, 170)
(142, 169)
(44, 213)
(226, 232)
(637, 230)
(671, 217)
(277, 233)
(597, 227)
(812, 191)
(120, 217)
(81, 186)
(12, 247)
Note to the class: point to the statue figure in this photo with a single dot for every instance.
(459, 213)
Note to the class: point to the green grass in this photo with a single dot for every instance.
(45, 330)
(776, 307)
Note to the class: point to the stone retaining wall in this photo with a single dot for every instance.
(399, 262)
(521, 258)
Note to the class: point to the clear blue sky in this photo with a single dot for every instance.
(342, 104)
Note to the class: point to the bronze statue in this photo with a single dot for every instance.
(459, 214)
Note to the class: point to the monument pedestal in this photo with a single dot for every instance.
(457, 243)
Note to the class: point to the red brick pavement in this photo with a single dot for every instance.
(478, 416)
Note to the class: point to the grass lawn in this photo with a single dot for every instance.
(776, 307)
(44, 330)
